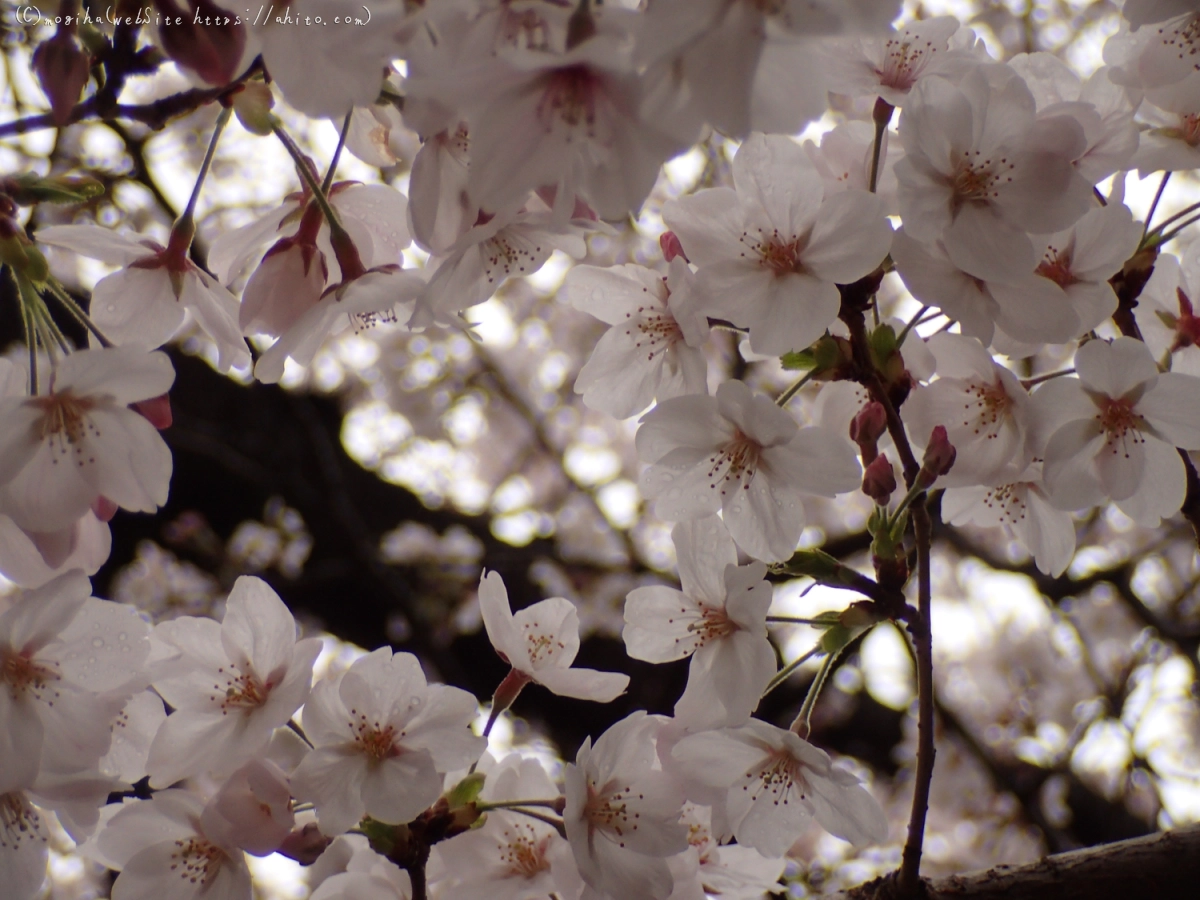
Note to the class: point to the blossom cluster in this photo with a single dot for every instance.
(169, 752)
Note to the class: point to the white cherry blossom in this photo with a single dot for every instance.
(144, 303)
(719, 618)
(231, 684)
(771, 251)
(982, 405)
(843, 160)
(741, 454)
(727, 871)
(540, 643)
(161, 849)
(622, 815)
(1113, 431)
(62, 450)
(383, 738)
(1166, 311)
(653, 349)
(24, 846)
(981, 169)
(776, 784)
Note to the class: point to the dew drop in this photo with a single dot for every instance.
(97, 642)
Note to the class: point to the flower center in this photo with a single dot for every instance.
(240, 690)
(1057, 267)
(976, 179)
(904, 61)
(522, 852)
(505, 255)
(713, 624)
(24, 676)
(987, 407)
(196, 860)
(1121, 423)
(1183, 39)
(1005, 501)
(541, 645)
(569, 98)
(654, 330)
(780, 255)
(1187, 326)
(736, 462)
(780, 775)
(19, 822)
(65, 424)
(375, 741)
(609, 811)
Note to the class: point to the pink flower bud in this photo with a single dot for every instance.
(305, 845)
(671, 247)
(213, 51)
(879, 480)
(870, 423)
(939, 457)
(62, 66)
(156, 411)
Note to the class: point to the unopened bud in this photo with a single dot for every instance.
(214, 52)
(304, 845)
(867, 427)
(671, 246)
(62, 67)
(156, 411)
(879, 480)
(939, 457)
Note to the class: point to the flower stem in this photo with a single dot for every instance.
(337, 153)
(322, 201)
(1162, 185)
(222, 121)
(72, 306)
(912, 323)
(784, 398)
(555, 805)
(1030, 382)
(28, 297)
(783, 674)
(795, 620)
(802, 724)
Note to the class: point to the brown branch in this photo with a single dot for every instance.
(1162, 866)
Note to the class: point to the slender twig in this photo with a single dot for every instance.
(785, 673)
(794, 389)
(1038, 379)
(910, 867)
(222, 121)
(337, 154)
(802, 724)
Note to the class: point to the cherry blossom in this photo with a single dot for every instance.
(231, 684)
(382, 739)
(540, 643)
(983, 406)
(511, 856)
(1112, 432)
(442, 210)
(777, 783)
(1022, 508)
(252, 810)
(24, 846)
(622, 816)
(719, 618)
(1166, 311)
(144, 303)
(1154, 57)
(63, 450)
(653, 349)
(161, 849)
(771, 251)
(741, 454)
(981, 170)
(843, 160)
(739, 873)
(63, 678)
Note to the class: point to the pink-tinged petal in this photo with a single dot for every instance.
(1068, 472)
(105, 646)
(398, 789)
(733, 672)
(816, 461)
(692, 422)
(1104, 238)
(20, 740)
(137, 308)
(326, 719)
(755, 414)
(216, 312)
(1047, 533)
(498, 618)
(149, 876)
(924, 198)
(708, 224)
(48, 497)
(703, 548)
(584, 684)
(847, 810)
(764, 518)
(19, 437)
(656, 624)
(1035, 310)
(1115, 369)
(797, 310)
(41, 615)
(850, 238)
(438, 202)
(771, 826)
(441, 727)
(25, 561)
(983, 245)
(685, 490)
(94, 242)
(1172, 408)
(1121, 464)
(232, 251)
(773, 173)
(1162, 489)
(333, 779)
(126, 374)
(549, 630)
(141, 717)
(125, 460)
(937, 123)
(1050, 194)
(619, 380)
(376, 215)
(258, 628)
(284, 287)
(189, 742)
(613, 294)
(1052, 404)
(735, 289)
(933, 279)
(749, 596)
